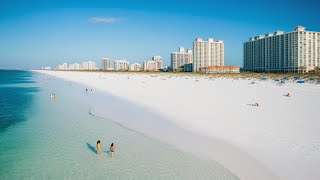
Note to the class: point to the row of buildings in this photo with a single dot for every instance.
(279, 51)
(155, 64)
(88, 65)
(297, 51)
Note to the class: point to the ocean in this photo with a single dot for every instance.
(54, 138)
(16, 96)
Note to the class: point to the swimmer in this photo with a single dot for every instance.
(112, 149)
(98, 146)
(91, 91)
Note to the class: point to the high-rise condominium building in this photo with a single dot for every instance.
(158, 60)
(74, 66)
(121, 65)
(46, 68)
(150, 65)
(295, 51)
(106, 64)
(63, 66)
(90, 65)
(207, 53)
(180, 58)
(135, 67)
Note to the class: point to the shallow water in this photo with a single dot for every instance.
(57, 142)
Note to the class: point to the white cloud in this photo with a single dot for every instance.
(104, 20)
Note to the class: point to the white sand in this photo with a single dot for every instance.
(281, 138)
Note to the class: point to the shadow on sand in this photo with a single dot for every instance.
(92, 148)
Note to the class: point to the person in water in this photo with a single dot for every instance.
(98, 146)
(112, 149)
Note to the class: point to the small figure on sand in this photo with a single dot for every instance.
(256, 104)
(112, 147)
(281, 83)
(98, 146)
(53, 96)
(288, 95)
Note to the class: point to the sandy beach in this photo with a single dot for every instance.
(277, 140)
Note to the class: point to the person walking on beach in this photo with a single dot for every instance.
(98, 146)
(112, 147)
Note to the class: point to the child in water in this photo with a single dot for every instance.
(112, 149)
(98, 146)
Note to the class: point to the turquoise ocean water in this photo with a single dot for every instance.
(45, 138)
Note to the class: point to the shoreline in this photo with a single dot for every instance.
(240, 150)
(242, 75)
(153, 125)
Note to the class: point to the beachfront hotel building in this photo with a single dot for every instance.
(295, 51)
(121, 65)
(207, 53)
(158, 60)
(63, 66)
(46, 68)
(89, 65)
(135, 67)
(180, 58)
(106, 64)
(150, 65)
(74, 66)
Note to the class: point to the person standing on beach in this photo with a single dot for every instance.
(98, 146)
(112, 147)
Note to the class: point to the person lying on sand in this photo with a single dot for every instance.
(288, 95)
(256, 104)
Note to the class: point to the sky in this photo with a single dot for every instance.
(37, 33)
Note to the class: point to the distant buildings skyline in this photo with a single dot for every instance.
(210, 53)
(279, 51)
(87, 65)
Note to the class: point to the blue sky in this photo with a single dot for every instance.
(46, 33)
